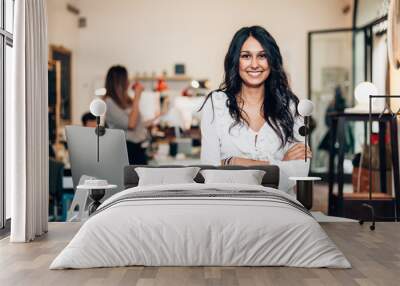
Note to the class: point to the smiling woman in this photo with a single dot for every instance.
(252, 119)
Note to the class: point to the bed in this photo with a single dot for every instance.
(198, 224)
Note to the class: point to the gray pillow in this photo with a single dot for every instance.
(248, 177)
(166, 176)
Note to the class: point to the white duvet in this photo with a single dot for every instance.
(200, 231)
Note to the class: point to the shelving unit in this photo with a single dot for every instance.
(166, 78)
(54, 107)
(175, 83)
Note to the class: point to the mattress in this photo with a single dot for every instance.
(201, 225)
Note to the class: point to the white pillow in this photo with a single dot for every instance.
(248, 177)
(166, 176)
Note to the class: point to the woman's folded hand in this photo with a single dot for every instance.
(245, 162)
(297, 152)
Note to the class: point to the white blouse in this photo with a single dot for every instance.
(218, 142)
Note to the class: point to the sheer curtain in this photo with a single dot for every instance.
(27, 124)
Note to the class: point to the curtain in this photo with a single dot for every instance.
(380, 63)
(27, 124)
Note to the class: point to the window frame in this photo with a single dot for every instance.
(6, 39)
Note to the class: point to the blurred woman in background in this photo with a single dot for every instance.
(123, 113)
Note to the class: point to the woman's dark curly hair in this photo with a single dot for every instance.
(279, 100)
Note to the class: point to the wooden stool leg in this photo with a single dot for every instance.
(331, 176)
(395, 161)
(340, 172)
(382, 156)
(304, 193)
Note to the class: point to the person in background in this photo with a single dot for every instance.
(337, 104)
(123, 113)
(88, 120)
(252, 118)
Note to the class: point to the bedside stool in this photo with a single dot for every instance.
(304, 190)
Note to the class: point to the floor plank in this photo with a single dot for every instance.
(375, 257)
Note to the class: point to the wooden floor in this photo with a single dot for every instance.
(375, 257)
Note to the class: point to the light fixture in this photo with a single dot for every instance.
(98, 108)
(100, 91)
(363, 91)
(195, 84)
(305, 109)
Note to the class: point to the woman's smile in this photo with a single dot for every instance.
(255, 74)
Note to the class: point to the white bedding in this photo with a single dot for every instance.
(183, 231)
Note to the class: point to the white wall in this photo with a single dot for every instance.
(151, 36)
(63, 31)
(369, 10)
(62, 24)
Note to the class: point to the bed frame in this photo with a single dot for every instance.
(270, 179)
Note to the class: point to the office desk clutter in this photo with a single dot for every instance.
(96, 189)
(395, 157)
(372, 197)
(361, 175)
(88, 195)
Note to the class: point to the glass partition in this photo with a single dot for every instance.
(331, 72)
(8, 87)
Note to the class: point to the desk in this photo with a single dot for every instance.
(338, 133)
